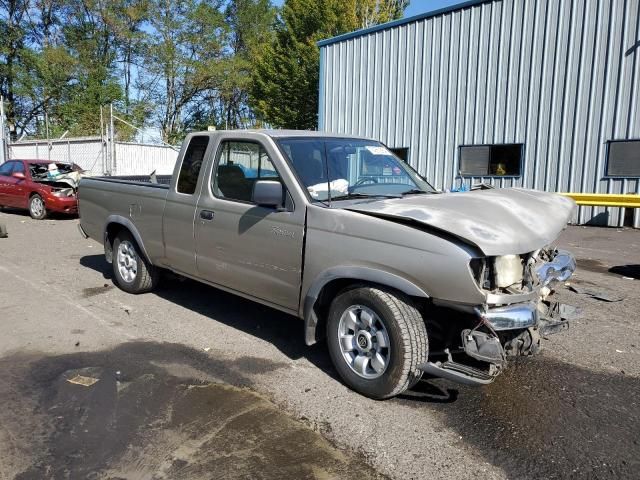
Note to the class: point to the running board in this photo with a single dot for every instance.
(458, 373)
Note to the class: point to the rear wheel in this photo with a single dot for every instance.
(377, 340)
(131, 270)
(37, 209)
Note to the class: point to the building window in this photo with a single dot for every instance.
(504, 160)
(623, 158)
(401, 153)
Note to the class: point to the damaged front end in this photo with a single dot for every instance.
(63, 192)
(472, 345)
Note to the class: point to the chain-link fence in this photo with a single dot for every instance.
(98, 155)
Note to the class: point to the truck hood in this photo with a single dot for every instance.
(498, 222)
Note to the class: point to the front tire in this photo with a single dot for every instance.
(132, 272)
(377, 340)
(37, 208)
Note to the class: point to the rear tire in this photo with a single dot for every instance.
(377, 340)
(37, 208)
(132, 272)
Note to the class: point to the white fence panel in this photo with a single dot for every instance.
(142, 159)
(92, 155)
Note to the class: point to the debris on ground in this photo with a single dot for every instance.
(84, 381)
(3, 231)
(604, 295)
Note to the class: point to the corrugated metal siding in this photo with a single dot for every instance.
(562, 77)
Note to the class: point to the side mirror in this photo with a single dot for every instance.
(267, 193)
(19, 175)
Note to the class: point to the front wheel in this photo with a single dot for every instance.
(132, 272)
(377, 340)
(37, 209)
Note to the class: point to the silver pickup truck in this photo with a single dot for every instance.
(400, 279)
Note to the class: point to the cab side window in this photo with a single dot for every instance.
(191, 164)
(238, 166)
(6, 168)
(18, 167)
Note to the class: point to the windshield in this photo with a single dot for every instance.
(41, 170)
(341, 168)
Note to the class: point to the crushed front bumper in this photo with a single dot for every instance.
(514, 328)
(536, 310)
(67, 205)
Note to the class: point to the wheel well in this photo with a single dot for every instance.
(112, 231)
(333, 288)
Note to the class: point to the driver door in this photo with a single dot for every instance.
(7, 182)
(18, 194)
(240, 245)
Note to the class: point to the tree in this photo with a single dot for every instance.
(284, 93)
(184, 60)
(372, 12)
(250, 32)
(15, 56)
(56, 60)
(90, 40)
(127, 18)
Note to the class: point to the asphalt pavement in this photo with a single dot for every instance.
(192, 382)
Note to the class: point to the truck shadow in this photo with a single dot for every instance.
(543, 418)
(284, 331)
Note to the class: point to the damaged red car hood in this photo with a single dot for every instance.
(498, 221)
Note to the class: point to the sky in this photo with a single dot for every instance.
(416, 7)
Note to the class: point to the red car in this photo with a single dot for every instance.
(26, 184)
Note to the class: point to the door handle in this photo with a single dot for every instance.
(206, 215)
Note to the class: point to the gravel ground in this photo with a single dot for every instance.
(571, 412)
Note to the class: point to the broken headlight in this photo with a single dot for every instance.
(63, 192)
(508, 270)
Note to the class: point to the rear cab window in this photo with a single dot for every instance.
(191, 164)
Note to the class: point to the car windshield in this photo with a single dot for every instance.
(40, 170)
(342, 168)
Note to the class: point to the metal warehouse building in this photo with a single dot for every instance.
(542, 94)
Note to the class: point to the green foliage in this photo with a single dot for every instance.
(185, 54)
(59, 63)
(284, 91)
(176, 64)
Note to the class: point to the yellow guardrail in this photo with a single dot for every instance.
(606, 199)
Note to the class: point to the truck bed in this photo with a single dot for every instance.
(134, 199)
